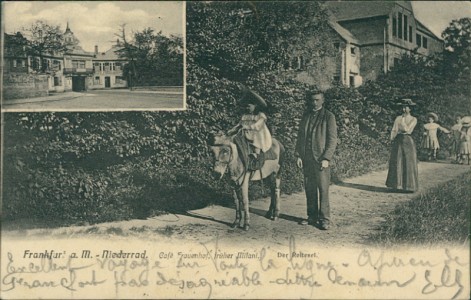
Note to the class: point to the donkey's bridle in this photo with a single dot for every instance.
(225, 164)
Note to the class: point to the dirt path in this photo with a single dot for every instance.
(358, 207)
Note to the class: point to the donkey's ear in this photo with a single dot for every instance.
(211, 139)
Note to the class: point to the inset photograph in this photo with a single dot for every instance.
(93, 56)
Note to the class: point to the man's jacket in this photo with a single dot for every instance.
(323, 134)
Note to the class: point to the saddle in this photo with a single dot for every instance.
(251, 163)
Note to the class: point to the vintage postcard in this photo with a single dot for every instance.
(93, 56)
(235, 150)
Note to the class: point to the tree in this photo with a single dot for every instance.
(457, 35)
(128, 52)
(44, 39)
(457, 56)
(154, 59)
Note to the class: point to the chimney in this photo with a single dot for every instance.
(96, 49)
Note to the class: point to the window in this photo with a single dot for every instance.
(14, 63)
(57, 65)
(112, 66)
(96, 80)
(57, 81)
(353, 50)
(78, 64)
(119, 80)
(36, 64)
(410, 34)
(405, 27)
(424, 42)
(418, 40)
(394, 26)
(352, 80)
(400, 26)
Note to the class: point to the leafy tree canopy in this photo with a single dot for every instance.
(154, 59)
(44, 39)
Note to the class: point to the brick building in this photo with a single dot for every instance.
(368, 38)
(343, 67)
(383, 32)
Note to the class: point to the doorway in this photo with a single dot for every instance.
(78, 83)
(107, 82)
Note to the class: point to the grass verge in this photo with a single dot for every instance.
(440, 215)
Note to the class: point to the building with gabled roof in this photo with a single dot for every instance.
(108, 68)
(385, 31)
(369, 38)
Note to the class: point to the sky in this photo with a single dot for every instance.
(96, 22)
(437, 15)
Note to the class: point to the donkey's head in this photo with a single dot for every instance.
(222, 148)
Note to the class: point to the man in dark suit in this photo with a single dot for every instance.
(317, 140)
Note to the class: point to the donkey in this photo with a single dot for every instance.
(227, 159)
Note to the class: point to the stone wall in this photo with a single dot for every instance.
(372, 62)
(19, 86)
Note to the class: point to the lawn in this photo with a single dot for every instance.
(440, 215)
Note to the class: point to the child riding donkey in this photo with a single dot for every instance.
(253, 125)
(232, 152)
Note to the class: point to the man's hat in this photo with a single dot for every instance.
(406, 102)
(433, 115)
(250, 96)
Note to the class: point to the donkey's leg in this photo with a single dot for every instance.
(271, 210)
(235, 192)
(241, 207)
(277, 197)
(245, 200)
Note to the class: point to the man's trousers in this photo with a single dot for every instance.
(316, 185)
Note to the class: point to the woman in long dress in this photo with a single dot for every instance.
(403, 172)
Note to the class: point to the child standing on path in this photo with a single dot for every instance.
(253, 123)
(465, 140)
(456, 135)
(430, 141)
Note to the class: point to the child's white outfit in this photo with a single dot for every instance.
(256, 130)
(430, 140)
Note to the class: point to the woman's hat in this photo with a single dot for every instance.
(466, 121)
(406, 102)
(251, 96)
(433, 115)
